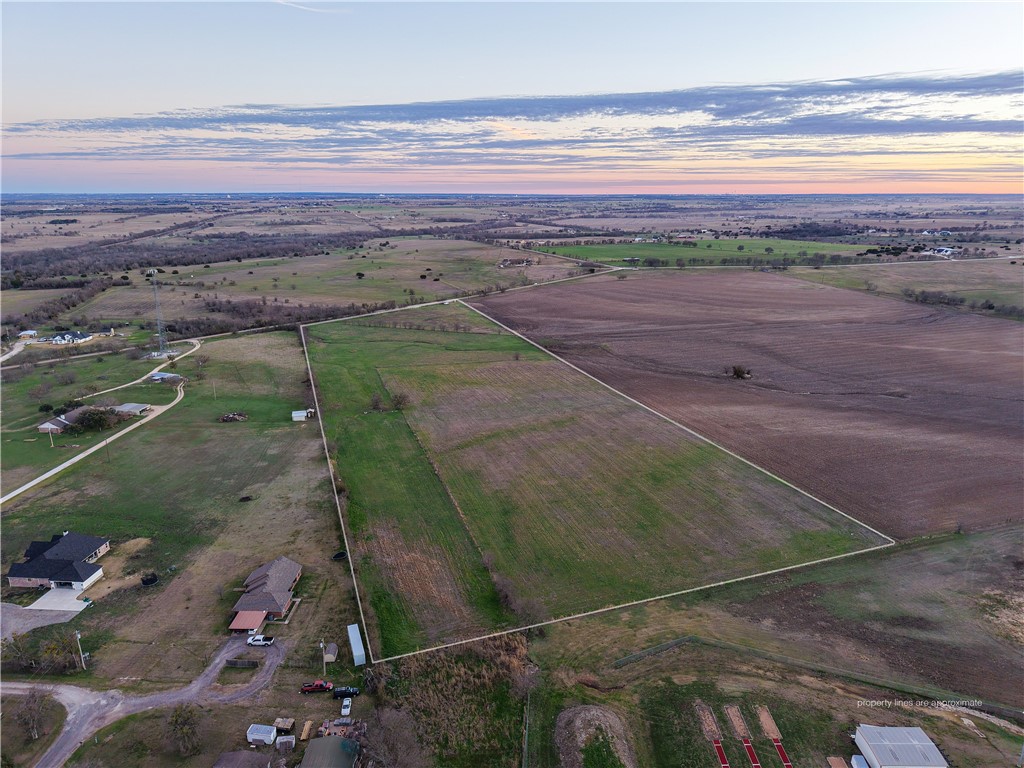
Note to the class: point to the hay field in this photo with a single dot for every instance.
(995, 280)
(30, 233)
(15, 302)
(572, 496)
(903, 415)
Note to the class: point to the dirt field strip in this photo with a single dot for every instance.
(739, 728)
(334, 490)
(689, 431)
(771, 730)
(708, 721)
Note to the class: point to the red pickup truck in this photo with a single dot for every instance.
(317, 686)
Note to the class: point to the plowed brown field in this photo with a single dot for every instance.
(904, 416)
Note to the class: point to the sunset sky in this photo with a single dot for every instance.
(581, 97)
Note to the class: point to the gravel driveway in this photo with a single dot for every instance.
(14, 619)
(89, 711)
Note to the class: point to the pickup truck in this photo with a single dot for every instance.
(260, 640)
(317, 686)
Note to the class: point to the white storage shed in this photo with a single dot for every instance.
(356, 641)
(261, 734)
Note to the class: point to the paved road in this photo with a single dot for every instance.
(89, 711)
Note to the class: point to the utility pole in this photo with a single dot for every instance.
(78, 637)
(323, 657)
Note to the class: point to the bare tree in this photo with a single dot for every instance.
(392, 742)
(183, 729)
(375, 402)
(399, 400)
(30, 714)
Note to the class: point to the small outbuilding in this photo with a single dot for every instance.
(261, 734)
(356, 641)
(330, 752)
(887, 747)
(331, 653)
(28, 334)
(298, 415)
(132, 409)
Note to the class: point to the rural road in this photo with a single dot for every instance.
(18, 346)
(155, 411)
(89, 711)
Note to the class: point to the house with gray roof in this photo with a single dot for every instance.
(66, 560)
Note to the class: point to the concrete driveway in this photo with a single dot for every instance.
(15, 619)
(59, 599)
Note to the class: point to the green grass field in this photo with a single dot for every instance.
(173, 480)
(994, 280)
(707, 252)
(27, 452)
(574, 498)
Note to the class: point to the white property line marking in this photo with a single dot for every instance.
(334, 490)
(888, 539)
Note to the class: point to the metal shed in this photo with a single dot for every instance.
(331, 652)
(885, 747)
(356, 641)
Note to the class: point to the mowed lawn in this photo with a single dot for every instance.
(575, 498)
(706, 252)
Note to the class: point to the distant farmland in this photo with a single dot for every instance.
(513, 489)
(706, 252)
(396, 271)
(904, 415)
(975, 280)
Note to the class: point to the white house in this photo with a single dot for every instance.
(70, 337)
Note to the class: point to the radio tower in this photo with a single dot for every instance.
(159, 315)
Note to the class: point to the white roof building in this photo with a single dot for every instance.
(261, 734)
(885, 747)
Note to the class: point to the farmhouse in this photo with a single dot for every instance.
(58, 424)
(70, 337)
(268, 594)
(885, 747)
(66, 560)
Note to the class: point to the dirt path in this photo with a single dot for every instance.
(89, 711)
(18, 346)
(577, 725)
